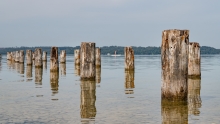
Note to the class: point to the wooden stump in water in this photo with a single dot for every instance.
(194, 99)
(77, 57)
(88, 99)
(21, 58)
(194, 68)
(38, 58)
(174, 64)
(33, 56)
(129, 82)
(98, 57)
(54, 63)
(29, 57)
(44, 57)
(17, 56)
(63, 56)
(13, 55)
(129, 59)
(87, 61)
(9, 56)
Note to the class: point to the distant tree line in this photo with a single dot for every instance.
(109, 49)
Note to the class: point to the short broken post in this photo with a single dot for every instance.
(54, 63)
(129, 59)
(29, 57)
(87, 61)
(21, 58)
(98, 57)
(63, 56)
(77, 56)
(174, 64)
(194, 68)
(44, 57)
(38, 58)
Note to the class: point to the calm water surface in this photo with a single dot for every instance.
(27, 95)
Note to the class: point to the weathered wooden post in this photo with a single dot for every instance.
(63, 68)
(28, 72)
(17, 56)
(13, 55)
(88, 99)
(21, 71)
(129, 82)
(98, 75)
(38, 58)
(21, 56)
(98, 57)
(87, 61)
(29, 57)
(77, 70)
(194, 100)
(38, 75)
(77, 56)
(174, 112)
(54, 81)
(174, 64)
(54, 63)
(63, 56)
(129, 59)
(194, 68)
(33, 56)
(9, 56)
(44, 57)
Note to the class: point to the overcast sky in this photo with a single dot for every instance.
(106, 22)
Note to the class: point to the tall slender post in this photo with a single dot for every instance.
(54, 63)
(194, 68)
(87, 61)
(174, 64)
(38, 58)
(21, 58)
(29, 57)
(129, 59)
(44, 57)
(63, 56)
(98, 57)
(77, 56)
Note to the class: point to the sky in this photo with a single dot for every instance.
(106, 22)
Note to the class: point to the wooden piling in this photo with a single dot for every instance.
(98, 57)
(21, 56)
(77, 56)
(9, 56)
(38, 58)
(17, 56)
(194, 99)
(29, 57)
(13, 55)
(129, 59)
(88, 99)
(129, 82)
(44, 57)
(194, 67)
(63, 56)
(77, 70)
(87, 61)
(54, 63)
(174, 64)
(33, 56)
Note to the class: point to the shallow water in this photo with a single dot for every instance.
(27, 95)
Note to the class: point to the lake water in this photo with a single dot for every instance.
(28, 96)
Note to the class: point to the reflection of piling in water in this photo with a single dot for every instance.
(174, 112)
(87, 61)
(21, 56)
(10, 64)
(129, 59)
(174, 64)
(98, 74)
(38, 75)
(77, 70)
(29, 57)
(63, 56)
(98, 57)
(129, 82)
(44, 57)
(54, 81)
(194, 70)
(21, 68)
(17, 56)
(88, 98)
(38, 58)
(54, 63)
(17, 67)
(63, 68)
(194, 100)
(29, 71)
(77, 56)
(45, 65)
